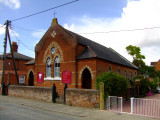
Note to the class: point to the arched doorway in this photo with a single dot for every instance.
(86, 79)
(31, 79)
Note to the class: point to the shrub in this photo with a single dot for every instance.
(114, 84)
(144, 86)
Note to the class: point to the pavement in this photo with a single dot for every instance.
(93, 114)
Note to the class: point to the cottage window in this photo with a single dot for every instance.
(48, 67)
(57, 67)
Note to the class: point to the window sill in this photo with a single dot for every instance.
(55, 78)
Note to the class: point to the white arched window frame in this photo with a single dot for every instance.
(57, 67)
(48, 67)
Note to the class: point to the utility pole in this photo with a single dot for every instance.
(15, 69)
(4, 57)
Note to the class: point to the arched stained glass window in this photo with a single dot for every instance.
(48, 67)
(57, 67)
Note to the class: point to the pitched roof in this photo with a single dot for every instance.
(31, 62)
(17, 56)
(94, 49)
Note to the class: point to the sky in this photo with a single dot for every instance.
(112, 23)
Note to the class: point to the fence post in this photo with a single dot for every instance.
(54, 93)
(132, 104)
(65, 87)
(101, 96)
(109, 102)
(121, 104)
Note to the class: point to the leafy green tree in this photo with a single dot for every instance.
(114, 84)
(135, 52)
(148, 71)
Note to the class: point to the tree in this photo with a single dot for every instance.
(135, 52)
(114, 84)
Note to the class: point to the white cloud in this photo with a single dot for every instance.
(137, 14)
(2, 29)
(14, 4)
(38, 34)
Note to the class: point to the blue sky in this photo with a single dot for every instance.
(87, 16)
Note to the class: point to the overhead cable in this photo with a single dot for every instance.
(21, 41)
(127, 30)
(122, 30)
(44, 11)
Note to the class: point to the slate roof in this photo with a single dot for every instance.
(94, 49)
(17, 56)
(32, 62)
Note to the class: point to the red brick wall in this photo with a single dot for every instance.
(20, 65)
(9, 68)
(157, 66)
(30, 68)
(42, 94)
(89, 64)
(82, 97)
(103, 65)
(65, 49)
(80, 49)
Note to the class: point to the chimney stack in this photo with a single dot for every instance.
(14, 46)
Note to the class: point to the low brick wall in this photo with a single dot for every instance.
(31, 92)
(82, 97)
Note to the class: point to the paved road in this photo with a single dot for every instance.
(12, 111)
(14, 108)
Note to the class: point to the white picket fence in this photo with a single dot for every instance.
(138, 106)
(145, 107)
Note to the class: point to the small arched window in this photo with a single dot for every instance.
(110, 68)
(118, 71)
(135, 73)
(125, 74)
(48, 67)
(57, 67)
(130, 75)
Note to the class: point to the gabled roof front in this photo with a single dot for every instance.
(17, 56)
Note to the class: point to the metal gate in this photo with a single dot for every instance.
(114, 103)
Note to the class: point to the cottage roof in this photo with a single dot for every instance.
(31, 62)
(17, 56)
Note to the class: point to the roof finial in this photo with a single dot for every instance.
(54, 14)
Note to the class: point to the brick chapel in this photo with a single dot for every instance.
(62, 56)
(61, 50)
